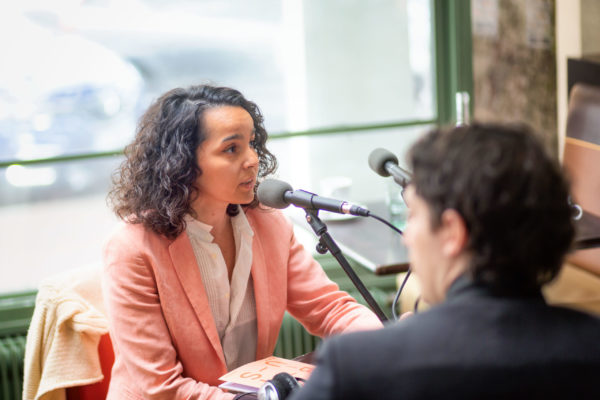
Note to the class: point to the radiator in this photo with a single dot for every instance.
(15, 314)
(293, 339)
(12, 353)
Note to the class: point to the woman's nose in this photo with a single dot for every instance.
(251, 158)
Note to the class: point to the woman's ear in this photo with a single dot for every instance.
(454, 233)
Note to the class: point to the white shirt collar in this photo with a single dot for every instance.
(201, 230)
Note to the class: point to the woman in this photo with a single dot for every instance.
(198, 277)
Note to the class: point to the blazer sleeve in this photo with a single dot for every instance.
(317, 302)
(138, 329)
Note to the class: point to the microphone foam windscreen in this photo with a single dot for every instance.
(378, 158)
(271, 193)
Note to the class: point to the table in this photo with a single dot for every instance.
(587, 231)
(365, 240)
(380, 249)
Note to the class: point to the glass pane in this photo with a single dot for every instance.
(60, 223)
(49, 228)
(58, 180)
(59, 92)
(76, 75)
(306, 162)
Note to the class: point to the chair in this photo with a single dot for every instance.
(67, 342)
(581, 159)
(98, 390)
(578, 284)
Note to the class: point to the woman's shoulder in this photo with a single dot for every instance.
(266, 218)
(131, 230)
(128, 235)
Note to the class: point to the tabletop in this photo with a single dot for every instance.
(365, 240)
(381, 250)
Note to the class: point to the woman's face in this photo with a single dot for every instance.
(227, 157)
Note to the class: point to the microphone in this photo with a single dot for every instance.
(385, 164)
(280, 387)
(279, 194)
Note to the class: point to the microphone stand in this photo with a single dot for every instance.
(326, 243)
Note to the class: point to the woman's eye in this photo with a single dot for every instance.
(230, 149)
(253, 143)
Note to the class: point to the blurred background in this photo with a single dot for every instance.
(76, 75)
(334, 79)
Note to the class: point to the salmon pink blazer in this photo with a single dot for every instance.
(164, 336)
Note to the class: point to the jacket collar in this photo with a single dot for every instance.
(260, 279)
(189, 276)
(466, 286)
(184, 262)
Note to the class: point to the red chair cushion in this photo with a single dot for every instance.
(98, 390)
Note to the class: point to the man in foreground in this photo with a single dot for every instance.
(489, 224)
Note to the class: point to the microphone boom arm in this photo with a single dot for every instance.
(326, 243)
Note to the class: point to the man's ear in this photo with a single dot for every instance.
(454, 233)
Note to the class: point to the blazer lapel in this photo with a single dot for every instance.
(260, 278)
(184, 262)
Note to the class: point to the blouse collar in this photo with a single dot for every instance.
(201, 230)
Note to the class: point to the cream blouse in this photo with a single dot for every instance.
(232, 305)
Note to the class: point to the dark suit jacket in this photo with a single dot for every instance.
(476, 345)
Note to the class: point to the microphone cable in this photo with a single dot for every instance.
(378, 218)
(399, 292)
(395, 303)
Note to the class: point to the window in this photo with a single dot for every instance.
(76, 75)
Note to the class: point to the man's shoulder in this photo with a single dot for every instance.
(576, 322)
(454, 342)
(466, 326)
(375, 343)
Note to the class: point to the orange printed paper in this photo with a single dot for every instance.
(256, 373)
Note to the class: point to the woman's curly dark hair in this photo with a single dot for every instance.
(512, 195)
(155, 185)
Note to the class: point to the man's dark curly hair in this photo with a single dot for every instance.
(512, 195)
(155, 185)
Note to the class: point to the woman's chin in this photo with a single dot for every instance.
(244, 199)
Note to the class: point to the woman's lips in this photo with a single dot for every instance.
(249, 184)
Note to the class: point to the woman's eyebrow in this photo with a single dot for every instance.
(232, 137)
(238, 136)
